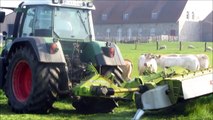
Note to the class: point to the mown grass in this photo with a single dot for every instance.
(196, 109)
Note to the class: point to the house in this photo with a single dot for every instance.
(144, 20)
(8, 24)
(192, 18)
(207, 28)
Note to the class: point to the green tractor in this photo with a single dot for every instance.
(53, 53)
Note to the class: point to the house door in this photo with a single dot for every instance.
(119, 32)
(172, 32)
(129, 34)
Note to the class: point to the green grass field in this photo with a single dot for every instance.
(196, 109)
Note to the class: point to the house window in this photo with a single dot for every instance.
(193, 15)
(104, 17)
(108, 32)
(154, 15)
(187, 15)
(125, 16)
(140, 32)
(10, 29)
(119, 32)
(172, 32)
(152, 32)
(129, 34)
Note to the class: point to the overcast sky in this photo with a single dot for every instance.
(9, 3)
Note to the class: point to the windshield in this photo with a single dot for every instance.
(71, 23)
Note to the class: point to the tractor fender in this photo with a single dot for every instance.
(116, 60)
(41, 48)
(94, 53)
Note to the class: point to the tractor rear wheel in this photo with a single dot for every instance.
(118, 79)
(30, 84)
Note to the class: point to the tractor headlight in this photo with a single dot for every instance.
(89, 4)
(56, 1)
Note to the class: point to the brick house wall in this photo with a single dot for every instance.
(126, 20)
(141, 32)
(8, 24)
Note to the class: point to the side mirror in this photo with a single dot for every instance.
(2, 16)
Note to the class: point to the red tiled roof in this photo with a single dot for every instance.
(139, 11)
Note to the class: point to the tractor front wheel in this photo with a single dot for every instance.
(29, 83)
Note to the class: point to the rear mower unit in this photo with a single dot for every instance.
(166, 89)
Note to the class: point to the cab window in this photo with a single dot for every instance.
(38, 22)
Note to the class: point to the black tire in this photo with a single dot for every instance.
(90, 105)
(30, 84)
(118, 80)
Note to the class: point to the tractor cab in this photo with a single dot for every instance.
(58, 20)
(63, 19)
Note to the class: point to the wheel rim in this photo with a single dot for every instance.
(22, 81)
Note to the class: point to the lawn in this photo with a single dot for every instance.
(199, 108)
